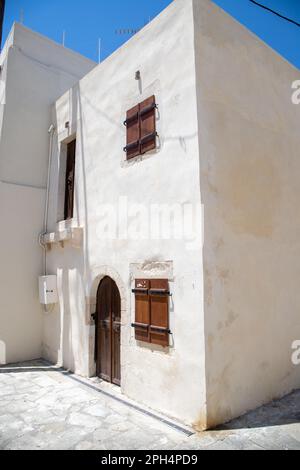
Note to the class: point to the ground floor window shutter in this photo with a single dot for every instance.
(159, 308)
(142, 310)
(152, 311)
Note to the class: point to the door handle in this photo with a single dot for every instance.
(105, 324)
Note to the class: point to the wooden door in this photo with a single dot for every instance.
(108, 331)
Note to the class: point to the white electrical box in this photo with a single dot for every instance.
(48, 290)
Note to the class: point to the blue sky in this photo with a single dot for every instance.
(86, 21)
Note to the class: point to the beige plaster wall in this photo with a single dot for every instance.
(249, 144)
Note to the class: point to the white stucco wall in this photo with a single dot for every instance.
(35, 71)
(21, 210)
(249, 150)
(171, 381)
(38, 72)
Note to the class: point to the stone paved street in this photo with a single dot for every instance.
(42, 407)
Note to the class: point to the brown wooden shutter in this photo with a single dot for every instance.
(142, 310)
(152, 311)
(70, 180)
(159, 307)
(133, 133)
(147, 125)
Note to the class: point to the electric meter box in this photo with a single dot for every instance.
(48, 290)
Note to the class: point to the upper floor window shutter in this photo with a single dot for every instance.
(148, 125)
(70, 180)
(133, 132)
(141, 128)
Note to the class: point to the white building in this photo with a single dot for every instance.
(34, 72)
(198, 325)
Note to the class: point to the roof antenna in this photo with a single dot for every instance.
(21, 16)
(99, 50)
(64, 38)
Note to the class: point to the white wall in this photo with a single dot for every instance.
(172, 381)
(21, 210)
(249, 148)
(36, 71)
(39, 71)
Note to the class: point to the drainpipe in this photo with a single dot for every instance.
(46, 211)
(51, 132)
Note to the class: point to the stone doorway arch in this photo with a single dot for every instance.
(108, 332)
(97, 275)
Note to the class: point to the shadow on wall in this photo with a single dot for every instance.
(2, 353)
(72, 264)
(36, 365)
(277, 413)
(85, 212)
(66, 323)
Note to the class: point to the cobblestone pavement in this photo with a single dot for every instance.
(42, 407)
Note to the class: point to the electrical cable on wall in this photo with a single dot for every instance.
(275, 12)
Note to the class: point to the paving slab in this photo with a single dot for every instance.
(41, 407)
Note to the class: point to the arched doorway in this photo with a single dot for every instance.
(108, 331)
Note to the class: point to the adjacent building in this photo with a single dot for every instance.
(34, 72)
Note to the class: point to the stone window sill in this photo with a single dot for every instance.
(65, 233)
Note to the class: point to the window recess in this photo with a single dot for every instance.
(152, 311)
(70, 181)
(141, 128)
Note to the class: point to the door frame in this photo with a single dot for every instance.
(96, 275)
(110, 324)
